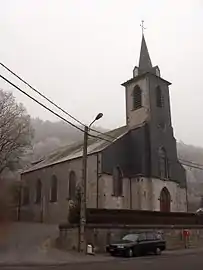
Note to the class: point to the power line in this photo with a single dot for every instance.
(47, 108)
(53, 103)
(182, 161)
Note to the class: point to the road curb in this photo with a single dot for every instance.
(183, 252)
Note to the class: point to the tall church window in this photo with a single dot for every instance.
(72, 186)
(54, 189)
(137, 98)
(159, 97)
(26, 195)
(38, 191)
(117, 182)
(163, 164)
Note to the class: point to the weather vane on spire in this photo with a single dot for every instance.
(142, 26)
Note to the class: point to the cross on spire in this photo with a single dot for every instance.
(142, 26)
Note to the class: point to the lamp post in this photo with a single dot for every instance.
(82, 243)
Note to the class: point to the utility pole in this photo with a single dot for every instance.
(82, 246)
(82, 240)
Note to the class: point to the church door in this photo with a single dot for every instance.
(165, 200)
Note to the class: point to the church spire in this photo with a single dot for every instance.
(145, 63)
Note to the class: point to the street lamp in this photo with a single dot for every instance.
(99, 115)
(82, 244)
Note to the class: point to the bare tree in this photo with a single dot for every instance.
(15, 131)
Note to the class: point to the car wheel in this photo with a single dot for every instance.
(129, 253)
(158, 251)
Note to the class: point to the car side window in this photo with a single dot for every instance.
(142, 237)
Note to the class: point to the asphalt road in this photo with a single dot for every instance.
(164, 262)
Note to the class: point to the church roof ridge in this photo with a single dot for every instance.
(75, 150)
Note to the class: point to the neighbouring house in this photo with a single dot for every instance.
(132, 167)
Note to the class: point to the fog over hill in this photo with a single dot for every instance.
(48, 136)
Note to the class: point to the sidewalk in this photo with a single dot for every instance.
(49, 257)
(183, 251)
(55, 257)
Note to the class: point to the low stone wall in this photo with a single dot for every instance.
(101, 235)
(68, 238)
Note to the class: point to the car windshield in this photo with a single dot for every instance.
(130, 237)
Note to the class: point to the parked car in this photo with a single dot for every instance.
(138, 244)
(199, 211)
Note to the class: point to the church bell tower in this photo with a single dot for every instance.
(148, 105)
(147, 94)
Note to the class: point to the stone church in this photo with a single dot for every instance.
(136, 168)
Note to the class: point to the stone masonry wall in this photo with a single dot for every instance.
(99, 237)
(57, 212)
(140, 193)
(135, 117)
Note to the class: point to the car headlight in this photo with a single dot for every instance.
(120, 246)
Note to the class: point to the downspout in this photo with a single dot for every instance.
(97, 196)
(130, 192)
(149, 150)
(186, 194)
(148, 132)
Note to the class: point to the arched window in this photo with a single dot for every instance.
(38, 191)
(26, 195)
(137, 98)
(54, 189)
(165, 200)
(163, 164)
(72, 186)
(117, 182)
(159, 97)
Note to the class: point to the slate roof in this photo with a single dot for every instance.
(145, 63)
(75, 150)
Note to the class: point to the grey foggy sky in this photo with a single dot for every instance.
(78, 52)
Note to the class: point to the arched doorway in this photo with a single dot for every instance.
(165, 200)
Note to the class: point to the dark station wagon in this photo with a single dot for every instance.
(138, 244)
